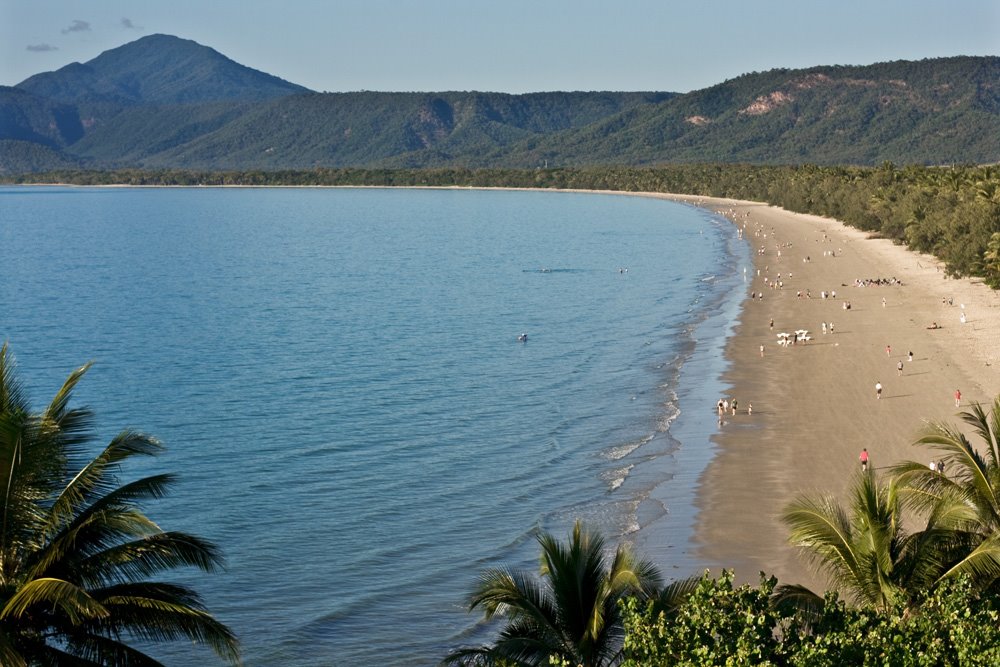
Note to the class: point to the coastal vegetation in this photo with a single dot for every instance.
(572, 613)
(927, 597)
(952, 212)
(76, 549)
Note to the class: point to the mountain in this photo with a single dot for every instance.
(367, 128)
(158, 69)
(166, 102)
(936, 111)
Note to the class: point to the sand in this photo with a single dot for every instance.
(814, 404)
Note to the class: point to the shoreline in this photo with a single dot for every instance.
(815, 406)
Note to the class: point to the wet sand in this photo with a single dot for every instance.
(814, 404)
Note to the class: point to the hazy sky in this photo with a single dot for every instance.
(505, 45)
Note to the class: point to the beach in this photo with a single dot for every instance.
(815, 405)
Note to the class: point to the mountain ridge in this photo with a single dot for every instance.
(166, 102)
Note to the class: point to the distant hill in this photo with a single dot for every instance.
(937, 111)
(166, 102)
(158, 69)
(369, 128)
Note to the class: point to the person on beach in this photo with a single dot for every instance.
(734, 407)
(958, 398)
(878, 390)
(772, 324)
(831, 327)
(864, 459)
(762, 349)
(909, 356)
(719, 409)
(888, 350)
(899, 367)
(749, 409)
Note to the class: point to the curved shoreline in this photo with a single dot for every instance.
(815, 406)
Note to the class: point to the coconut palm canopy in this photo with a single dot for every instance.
(76, 549)
(571, 610)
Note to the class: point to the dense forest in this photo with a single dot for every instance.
(952, 213)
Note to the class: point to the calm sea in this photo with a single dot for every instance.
(338, 379)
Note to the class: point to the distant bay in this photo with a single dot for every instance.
(337, 377)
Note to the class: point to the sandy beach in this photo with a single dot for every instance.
(814, 403)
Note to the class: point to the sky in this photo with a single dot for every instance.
(512, 46)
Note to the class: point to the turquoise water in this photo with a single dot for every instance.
(337, 377)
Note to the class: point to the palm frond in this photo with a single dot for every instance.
(148, 556)
(12, 398)
(823, 529)
(9, 654)
(83, 647)
(797, 600)
(156, 619)
(123, 500)
(93, 479)
(987, 427)
(673, 596)
(965, 464)
(982, 563)
(68, 598)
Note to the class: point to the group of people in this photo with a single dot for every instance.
(725, 405)
(876, 282)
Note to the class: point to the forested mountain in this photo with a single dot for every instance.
(928, 112)
(165, 102)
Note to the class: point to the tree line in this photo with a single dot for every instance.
(952, 213)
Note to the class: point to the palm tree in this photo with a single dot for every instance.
(863, 548)
(572, 613)
(76, 550)
(965, 499)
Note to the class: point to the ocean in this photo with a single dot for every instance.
(338, 380)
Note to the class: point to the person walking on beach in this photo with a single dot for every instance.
(772, 324)
(888, 350)
(762, 349)
(958, 398)
(864, 459)
(734, 407)
(749, 409)
(899, 367)
(909, 357)
(878, 390)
